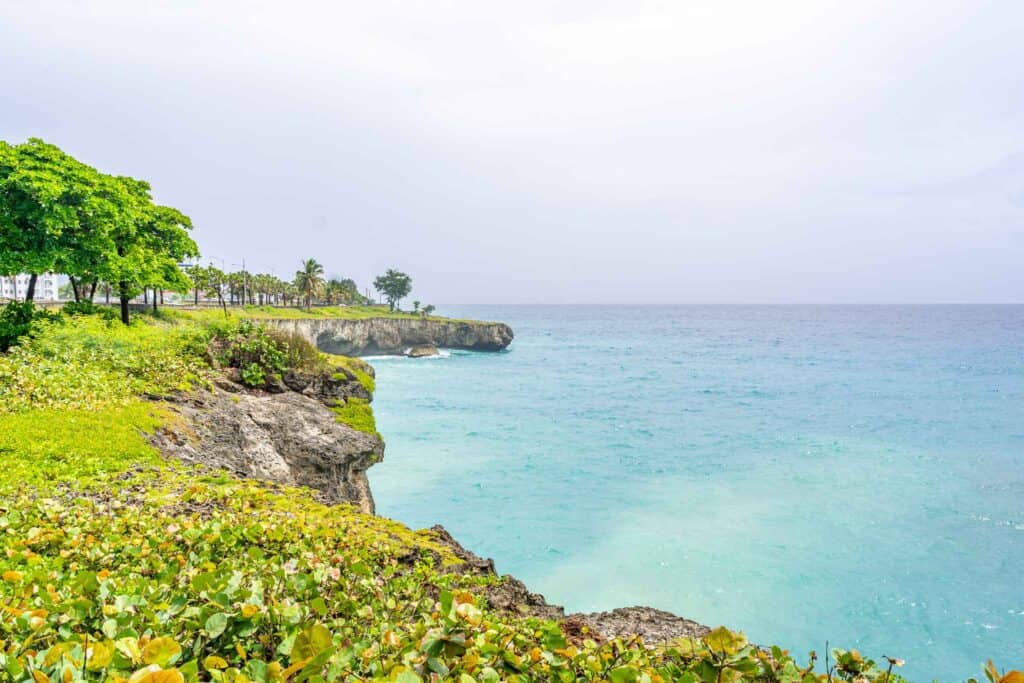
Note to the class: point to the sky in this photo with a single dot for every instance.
(558, 152)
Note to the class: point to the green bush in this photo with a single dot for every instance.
(256, 354)
(89, 308)
(85, 362)
(16, 321)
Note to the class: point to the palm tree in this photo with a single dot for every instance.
(310, 280)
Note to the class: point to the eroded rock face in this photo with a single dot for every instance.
(288, 437)
(392, 336)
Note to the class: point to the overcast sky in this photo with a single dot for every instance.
(558, 152)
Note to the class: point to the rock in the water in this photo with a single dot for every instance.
(422, 351)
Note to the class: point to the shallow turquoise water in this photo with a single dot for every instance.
(850, 474)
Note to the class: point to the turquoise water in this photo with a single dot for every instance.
(850, 474)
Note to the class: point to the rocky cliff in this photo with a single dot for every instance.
(288, 435)
(392, 336)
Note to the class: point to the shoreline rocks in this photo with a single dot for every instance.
(422, 351)
(512, 596)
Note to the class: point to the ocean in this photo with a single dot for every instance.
(850, 475)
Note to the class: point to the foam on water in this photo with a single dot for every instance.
(850, 474)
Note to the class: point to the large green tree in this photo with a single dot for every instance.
(45, 198)
(145, 244)
(309, 281)
(394, 285)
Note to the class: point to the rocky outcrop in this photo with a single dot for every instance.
(289, 437)
(510, 595)
(393, 336)
(655, 626)
(422, 351)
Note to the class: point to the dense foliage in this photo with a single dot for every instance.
(116, 565)
(58, 214)
(394, 285)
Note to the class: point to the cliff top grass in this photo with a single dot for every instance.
(314, 313)
(118, 565)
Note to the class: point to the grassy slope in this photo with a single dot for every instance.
(115, 564)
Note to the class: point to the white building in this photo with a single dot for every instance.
(46, 287)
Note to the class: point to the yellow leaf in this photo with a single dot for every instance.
(160, 651)
(725, 641)
(54, 654)
(470, 613)
(154, 674)
(287, 673)
(1012, 677)
(39, 676)
(99, 655)
(11, 576)
(249, 610)
(215, 662)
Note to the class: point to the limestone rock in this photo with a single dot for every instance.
(392, 336)
(655, 626)
(422, 351)
(288, 438)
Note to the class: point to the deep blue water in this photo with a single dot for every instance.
(803, 473)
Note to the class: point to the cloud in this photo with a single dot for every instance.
(441, 132)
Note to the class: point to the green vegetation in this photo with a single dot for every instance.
(357, 414)
(360, 369)
(309, 281)
(58, 214)
(394, 285)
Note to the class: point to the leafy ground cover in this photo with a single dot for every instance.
(116, 565)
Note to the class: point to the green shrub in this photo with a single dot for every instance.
(85, 362)
(16, 321)
(254, 352)
(299, 353)
(89, 308)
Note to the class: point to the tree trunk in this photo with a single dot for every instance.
(154, 301)
(123, 293)
(74, 288)
(106, 290)
(145, 295)
(197, 297)
(161, 297)
(30, 295)
(92, 290)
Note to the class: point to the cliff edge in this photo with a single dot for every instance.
(392, 336)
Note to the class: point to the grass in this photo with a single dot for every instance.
(357, 414)
(315, 313)
(360, 369)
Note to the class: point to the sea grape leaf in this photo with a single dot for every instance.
(310, 642)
